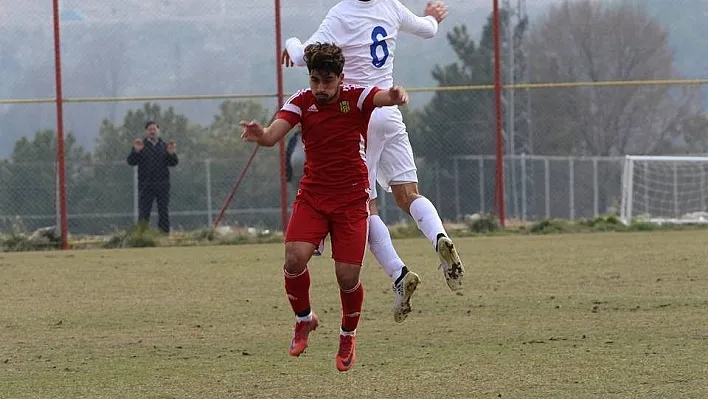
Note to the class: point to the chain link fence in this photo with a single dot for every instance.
(103, 197)
(199, 67)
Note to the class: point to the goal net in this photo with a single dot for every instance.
(664, 189)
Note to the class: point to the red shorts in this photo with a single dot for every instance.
(345, 218)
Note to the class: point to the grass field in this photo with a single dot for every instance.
(611, 315)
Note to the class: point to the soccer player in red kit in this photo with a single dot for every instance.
(333, 197)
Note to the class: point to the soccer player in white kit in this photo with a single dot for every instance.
(366, 30)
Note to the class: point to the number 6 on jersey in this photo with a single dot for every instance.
(378, 42)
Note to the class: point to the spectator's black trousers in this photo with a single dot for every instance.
(155, 192)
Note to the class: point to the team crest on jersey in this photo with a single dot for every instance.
(344, 106)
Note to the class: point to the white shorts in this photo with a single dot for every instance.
(389, 155)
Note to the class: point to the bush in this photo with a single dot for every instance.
(483, 224)
(207, 234)
(605, 223)
(550, 226)
(42, 239)
(138, 236)
(645, 226)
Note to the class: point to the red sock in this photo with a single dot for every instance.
(352, 302)
(297, 287)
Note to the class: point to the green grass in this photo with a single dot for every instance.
(604, 315)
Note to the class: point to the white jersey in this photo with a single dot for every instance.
(366, 31)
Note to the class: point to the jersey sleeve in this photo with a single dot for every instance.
(325, 33)
(425, 27)
(291, 111)
(366, 99)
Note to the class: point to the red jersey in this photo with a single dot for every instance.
(334, 138)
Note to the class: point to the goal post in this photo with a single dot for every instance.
(664, 189)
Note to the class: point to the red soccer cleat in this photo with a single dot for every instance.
(347, 354)
(302, 333)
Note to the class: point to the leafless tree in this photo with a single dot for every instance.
(593, 41)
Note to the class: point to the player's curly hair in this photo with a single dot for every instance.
(324, 57)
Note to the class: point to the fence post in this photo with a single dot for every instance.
(514, 192)
(135, 194)
(547, 186)
(571, 187)
(702, 185)
(207, 166)
(57, 208)
(645, 165)
(524, 197)
(595, 189)
(456, 172)
(480, 166)
(676, 201)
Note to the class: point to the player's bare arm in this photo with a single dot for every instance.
(396, 95)
(265, 136)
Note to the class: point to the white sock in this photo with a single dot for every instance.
(307, 318)
(426, 216)
(381, 246)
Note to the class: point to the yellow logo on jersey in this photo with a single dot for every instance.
(344, 106)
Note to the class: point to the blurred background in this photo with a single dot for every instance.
(581, 79)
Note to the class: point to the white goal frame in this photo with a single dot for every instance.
(699, 215)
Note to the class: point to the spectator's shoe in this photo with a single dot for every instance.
(302, 333)
(347, 354)
(450, 263)
(402, 292)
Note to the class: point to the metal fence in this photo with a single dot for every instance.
(103, 197)
(545, 187)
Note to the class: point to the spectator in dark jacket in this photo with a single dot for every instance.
(153, 157)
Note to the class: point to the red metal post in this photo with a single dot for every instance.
(61, 167)
(500, 206)
(281, 99)
(238, 183)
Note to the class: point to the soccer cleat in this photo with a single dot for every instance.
(302, 333)
(402, 293)
(450, 263)
(347, 353)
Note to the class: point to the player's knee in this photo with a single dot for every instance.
(348, 283)
(347, 275)
(296, 259)
(405, 194)
(294, 264)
